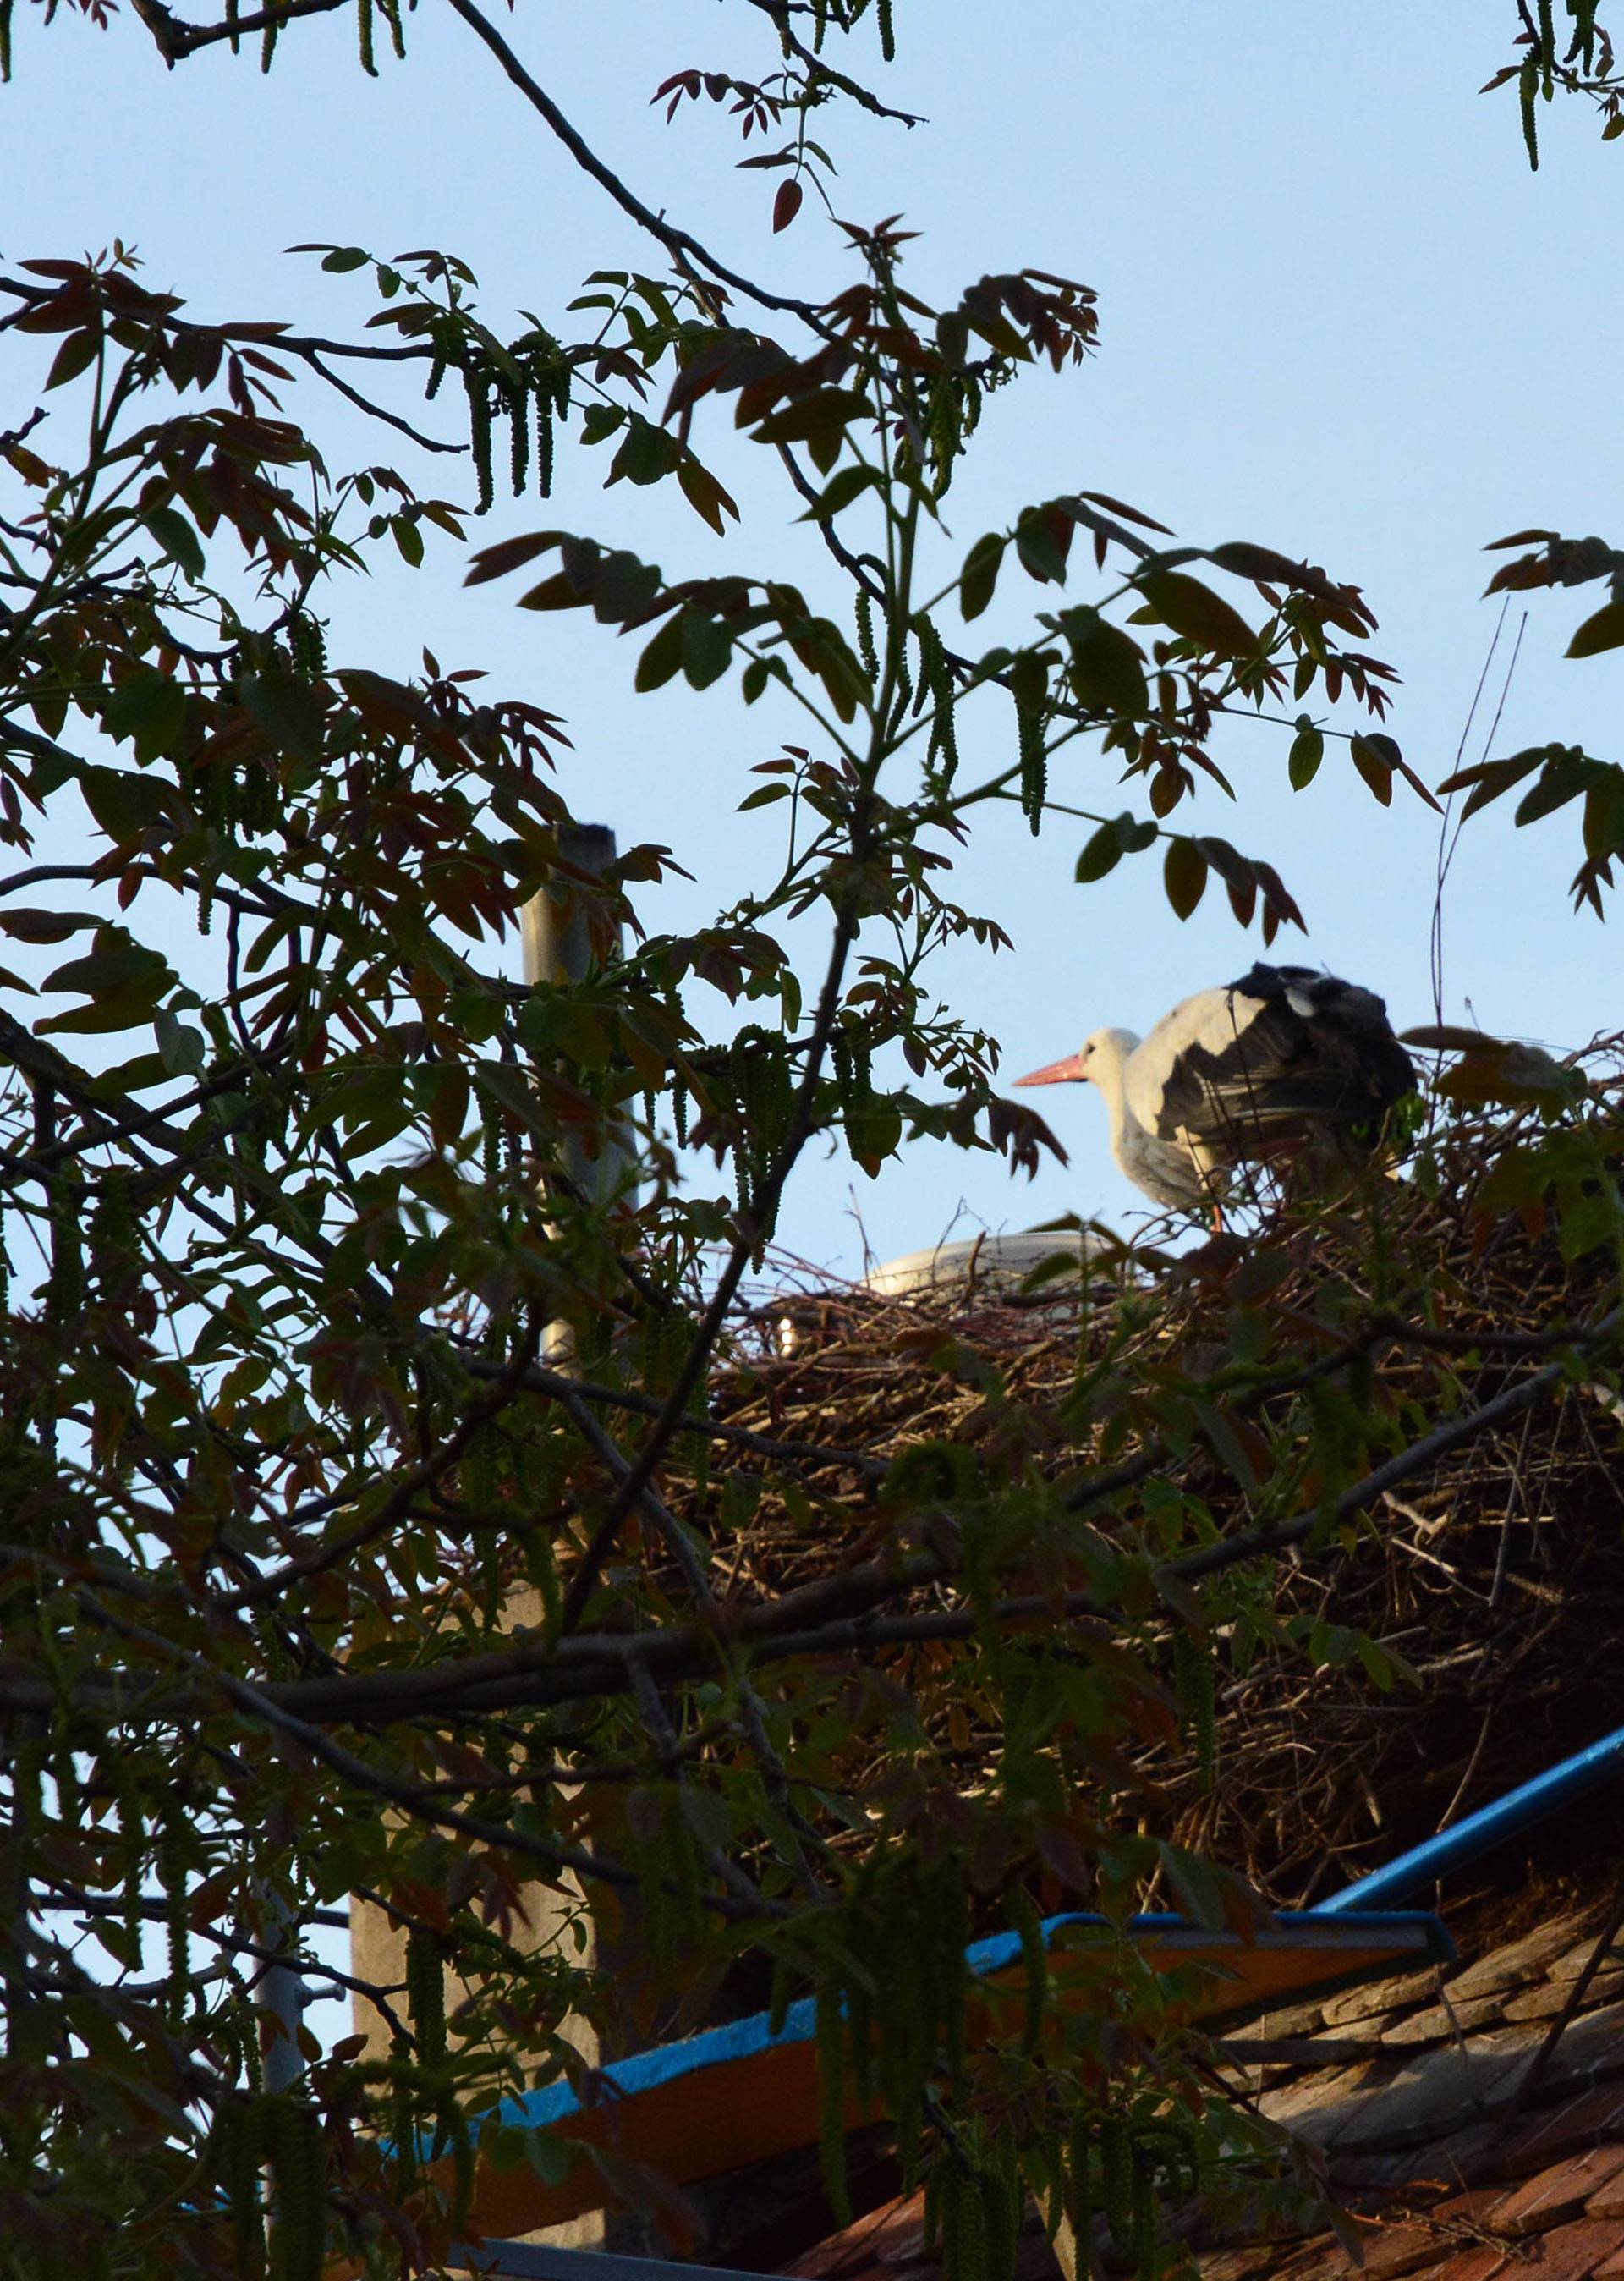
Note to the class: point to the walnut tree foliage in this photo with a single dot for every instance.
(295, 1200)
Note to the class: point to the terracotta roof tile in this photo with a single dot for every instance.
(1469, 2265)
(1585, 2121)
(1435, 2134)
(1569, 2252)
(1395, 2249)
(1608, 2199)
(865, 2244)
(1467, 2213)
(1552, 2195)
(1236, 2264)
(1324, 2260)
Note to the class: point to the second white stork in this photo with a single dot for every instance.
(1256, 1068)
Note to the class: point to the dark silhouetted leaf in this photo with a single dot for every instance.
(1604, 630)
(1303, 761)
(980, 575)
(1374, 767)
(1184, 876)
(1197, 612)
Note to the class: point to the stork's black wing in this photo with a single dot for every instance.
(1284, 1049)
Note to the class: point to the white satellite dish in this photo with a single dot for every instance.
(992, 1265)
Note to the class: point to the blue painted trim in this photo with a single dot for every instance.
(1486, 1828)
(743, 2040)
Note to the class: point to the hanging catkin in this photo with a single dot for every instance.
(866, 652)
(1116, 2166)
(1035, 1964)
(479, 436)
(1144, 2219)
(1080, 2188)
(519, 421)
(300, 2189)
(830, 2040)
(171, 1878)
(241, 2127)
(426, 1995)
(1034, 764)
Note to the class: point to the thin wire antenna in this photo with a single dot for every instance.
(1449, 828)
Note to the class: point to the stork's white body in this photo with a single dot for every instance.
(1232, 1074)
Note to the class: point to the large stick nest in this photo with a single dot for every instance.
(1498, 1577)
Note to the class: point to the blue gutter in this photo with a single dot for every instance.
(743, 2040)
(1486, 1828)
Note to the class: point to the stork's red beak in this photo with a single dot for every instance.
(1070, 1071)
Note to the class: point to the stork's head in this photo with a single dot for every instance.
(1098, 1061)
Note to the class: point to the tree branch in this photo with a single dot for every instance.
(683, 247)
(834, 1616)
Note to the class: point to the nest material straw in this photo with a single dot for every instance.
(1498, 1578)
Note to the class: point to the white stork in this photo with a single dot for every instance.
(1254, 1068)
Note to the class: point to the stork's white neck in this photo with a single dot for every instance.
(1107, 1069)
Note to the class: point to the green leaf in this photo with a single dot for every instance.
(663, 657)
(1303, 761)
(511, 554)
(1385, 749)
(1604, 630)
(1564, 777)
(1102, 854)
(1106, 669)
(1197, 612)
(345, 257)
(408, 537)
(46, 926)
(646, 455)
(625, 588)
(287, 709)
(1028, 681)
(113, 962)
(77, 352)
(708, 648)
(1374, 767)
(1184, 876)
(558, 592)
(1041, 550)
(980, 575)
(704, 494)
(840, 492)
(824, 413)
(1488, 779)
(123, 805)
(149, 709)
(764, 796)
(123, 1009)
(174, 534)
(1124, 835)
(874, 1132)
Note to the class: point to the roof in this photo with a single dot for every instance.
(1463, 2139)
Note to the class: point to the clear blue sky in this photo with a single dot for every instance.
(1337, 314)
